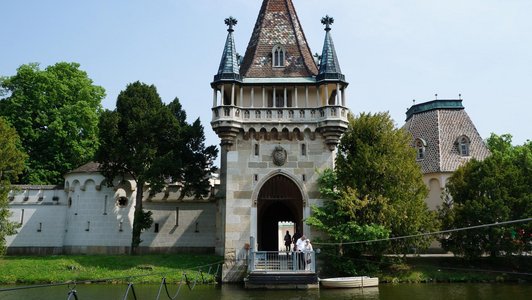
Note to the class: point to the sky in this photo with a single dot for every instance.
(392, 52)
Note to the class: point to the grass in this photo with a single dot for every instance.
(452, 269)
(110, 269)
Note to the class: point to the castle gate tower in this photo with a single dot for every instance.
(279, 113)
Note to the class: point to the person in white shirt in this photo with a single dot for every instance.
(300, 246)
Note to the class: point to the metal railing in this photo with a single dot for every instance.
(282, 261)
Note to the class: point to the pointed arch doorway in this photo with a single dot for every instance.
(279, 200)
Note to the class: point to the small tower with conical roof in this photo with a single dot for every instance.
(279, 117)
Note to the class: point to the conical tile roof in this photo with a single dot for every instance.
(278, 25)
(329, 65)
(229, 69)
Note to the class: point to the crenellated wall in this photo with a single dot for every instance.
(87, 216)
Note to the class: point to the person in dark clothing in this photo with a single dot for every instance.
(287, 241)
(295, 237)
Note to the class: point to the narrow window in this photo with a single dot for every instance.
(156, 228)
(120, 226)
(464, 146)
(40, 227)
(105, 205)
(88, 226)
(420, 149)
(177, 216)
(256, 149)
(22, 217)
(303, 149)
(304, 177)
(256, 177)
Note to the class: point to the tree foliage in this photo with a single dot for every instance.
(496, 189)
(11, 165)
(55, 112)
(151, 142)
(375, 191)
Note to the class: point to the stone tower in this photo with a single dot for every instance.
(279, 114)
(444, 138)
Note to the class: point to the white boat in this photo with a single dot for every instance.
(350, 282)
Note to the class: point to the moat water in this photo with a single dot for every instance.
(451, 291)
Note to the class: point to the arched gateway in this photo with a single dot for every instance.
(279, 200)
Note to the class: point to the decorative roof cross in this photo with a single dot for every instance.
(327, 21)
(231, 22)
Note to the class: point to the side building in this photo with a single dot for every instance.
(444, 138)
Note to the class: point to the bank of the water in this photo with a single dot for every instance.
(455, 269)
(113, 269)
(146, 269)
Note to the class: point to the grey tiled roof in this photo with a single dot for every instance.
(278, 24)
(229, 68)
(89, 167)
(329, 65)
(441, 128)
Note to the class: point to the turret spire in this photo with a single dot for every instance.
(329, 65)
(229, 69)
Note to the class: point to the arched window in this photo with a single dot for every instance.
(463, 145)
(278, 56)
(420, 145)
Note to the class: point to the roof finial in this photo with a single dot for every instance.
(231, 22)
(460, 96)
(327, 21)
(436, 96)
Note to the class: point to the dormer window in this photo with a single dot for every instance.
(420, 145)
(278, 55)
(463, 145)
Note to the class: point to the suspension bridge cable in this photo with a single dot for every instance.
(427, 233)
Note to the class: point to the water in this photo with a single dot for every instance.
(236, 292)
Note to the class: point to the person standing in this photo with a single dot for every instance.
(308, 254)
(287, 241)
(300, 246)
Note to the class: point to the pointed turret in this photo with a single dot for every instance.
(278, 47)
(329, 66)
(229, 65)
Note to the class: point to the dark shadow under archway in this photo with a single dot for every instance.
(279, 200)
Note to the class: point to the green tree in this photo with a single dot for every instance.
(150, 142)
(496, 189)
(11, 165)
(55, 112)
(375, 191)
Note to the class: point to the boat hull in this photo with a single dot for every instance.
(350, 282)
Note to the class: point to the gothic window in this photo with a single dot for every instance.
(463, 145)
(278, 55)
(420, 145)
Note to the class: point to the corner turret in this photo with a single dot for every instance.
(329, 69)
(229, 69)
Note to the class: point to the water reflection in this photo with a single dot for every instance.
(236, 292)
